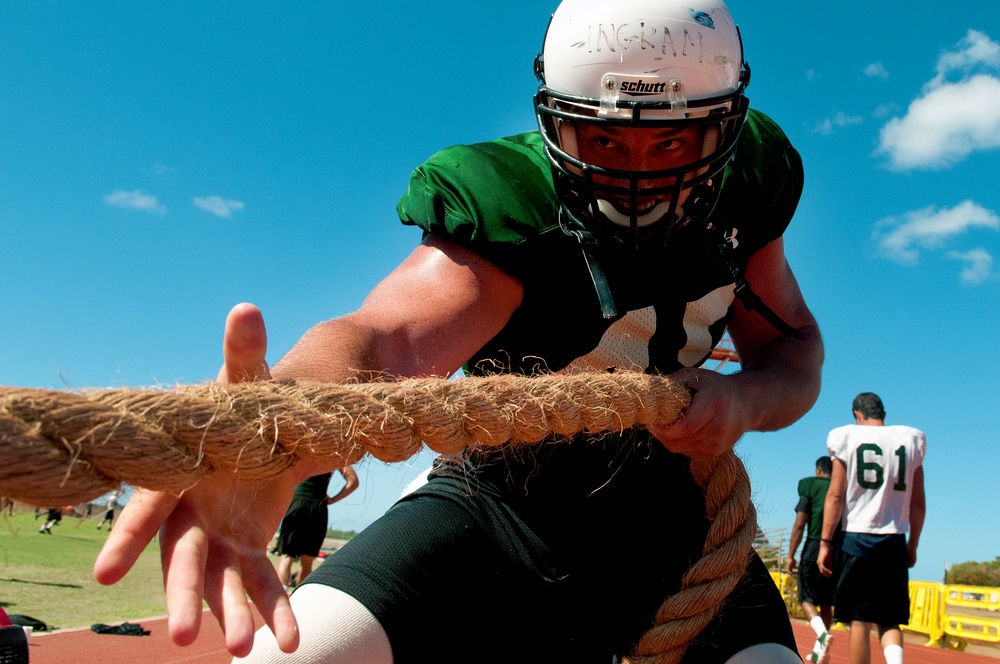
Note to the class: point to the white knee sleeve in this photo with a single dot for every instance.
(333, 627)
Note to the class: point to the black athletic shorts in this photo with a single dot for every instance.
(872, 590)
(455, 573)
(303, 528)
(815, 588)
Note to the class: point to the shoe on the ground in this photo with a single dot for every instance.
(821, 651)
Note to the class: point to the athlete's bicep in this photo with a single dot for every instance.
(436, 309)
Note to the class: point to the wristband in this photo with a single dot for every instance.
(826, 541)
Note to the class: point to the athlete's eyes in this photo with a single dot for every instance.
(667, 145)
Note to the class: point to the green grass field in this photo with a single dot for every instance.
(49, 577)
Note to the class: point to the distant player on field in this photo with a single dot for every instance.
(878, 481)
(815, 589)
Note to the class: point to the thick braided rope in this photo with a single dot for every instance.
(726, 554)
(68, 447)
(63, 448)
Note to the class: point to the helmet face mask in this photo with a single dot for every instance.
(612, 69)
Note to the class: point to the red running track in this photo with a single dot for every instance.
(83, 646)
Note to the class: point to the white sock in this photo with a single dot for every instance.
(893, 654)
(818, 626)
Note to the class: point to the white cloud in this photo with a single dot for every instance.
(218, 206)
(877, 70)
(838, 121)
(975, 49)
(135, 200)
(978, 265)
(951, 119)
(902, 238)
(945, 125)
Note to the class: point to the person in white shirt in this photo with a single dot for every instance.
(877, 491)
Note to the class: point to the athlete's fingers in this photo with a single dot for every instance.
(244, 346)
(693, 438)
(135, 528)
(271, 599)
(227, 598)
(183, 555)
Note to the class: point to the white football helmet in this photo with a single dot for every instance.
(640, 63)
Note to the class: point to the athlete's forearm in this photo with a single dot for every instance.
(352, 483)
(836, 497)
(798, 529)
(782, 380)
(793, 543)
(833, 510)
(332, 352)
(918, 512)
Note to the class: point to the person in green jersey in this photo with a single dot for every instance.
(303, 528)
(638, 223)
(815, 590)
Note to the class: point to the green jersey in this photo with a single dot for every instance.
(314, 488)
(674, 302)
(812, 497)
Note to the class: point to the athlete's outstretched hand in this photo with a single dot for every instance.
(214, 537)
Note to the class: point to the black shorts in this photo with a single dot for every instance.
(303, 528)
(872, 590)
(457, 575)
(815, 588)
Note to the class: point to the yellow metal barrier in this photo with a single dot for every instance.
(974, 597)
(789, 587)
(967, 627)
(930, 614)
(927, 611)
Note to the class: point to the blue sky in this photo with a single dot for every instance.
(161, 162)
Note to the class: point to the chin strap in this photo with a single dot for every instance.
(608, 308)
(587, 242)
(750, 300)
